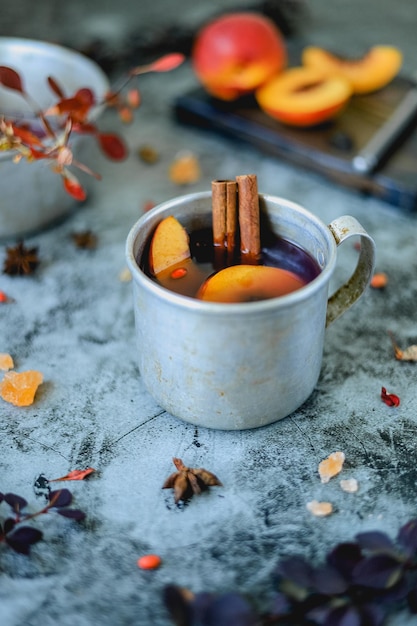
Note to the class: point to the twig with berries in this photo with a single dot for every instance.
(70, 115)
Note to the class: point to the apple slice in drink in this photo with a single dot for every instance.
(247, 283)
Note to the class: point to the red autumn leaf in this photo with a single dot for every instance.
(38, 154)
(67, 105)
(74, 189)
(10, 79)
(164, 64)
(390, 399)
(86, 96)
(84, 127)
(167, 63)
(75, 475)
(55, 87)
(26, 136)
(112, 146)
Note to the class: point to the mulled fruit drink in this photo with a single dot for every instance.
(242, 365)
(283, 267)
(237, 260)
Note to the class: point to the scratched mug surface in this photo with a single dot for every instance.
(241, 365)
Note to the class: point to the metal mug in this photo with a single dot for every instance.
(241, 365)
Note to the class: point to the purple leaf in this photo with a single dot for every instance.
(280, 605)
(407, 536)
(329, 581)
(377, 572)
(297, 570)
(344, 557)
(230, 608)
(375, 541)
(412, 600)
(9, 524)
(178, 607)
(59, 498)
(23, 538)
(1, 497)
(344, 616)
(16, 502)
(72, 514)
(364, 615)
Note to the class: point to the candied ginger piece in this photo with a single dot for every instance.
(19, 388)
(6, 361)
(319, 509)
(350, 485)
(331, 466)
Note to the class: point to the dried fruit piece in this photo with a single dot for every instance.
(19, 388)
(331, 466)
(6, 361)
(390, 399)
(379, 281)
(349, 484)
(149, 561)
(188, 481)
(409, 354)
(185, 169)
(319, 509)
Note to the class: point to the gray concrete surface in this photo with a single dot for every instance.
(73, 321)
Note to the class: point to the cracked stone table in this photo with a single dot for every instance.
(73, 320)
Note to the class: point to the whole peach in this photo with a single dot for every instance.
(236, 53)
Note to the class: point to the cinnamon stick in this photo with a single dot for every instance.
(231, 217)
(224, 205)
(249, 221)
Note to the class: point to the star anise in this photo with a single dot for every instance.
(20, 260)
(85, 239)
(188, 481)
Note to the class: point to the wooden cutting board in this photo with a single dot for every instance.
(328, 148)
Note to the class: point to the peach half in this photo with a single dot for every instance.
(371, 72)
(249, 283)
(303, 96)
(235, 53)
(170, 259)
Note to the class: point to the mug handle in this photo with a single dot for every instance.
(342, 228)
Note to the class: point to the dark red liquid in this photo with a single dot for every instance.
(276, 252)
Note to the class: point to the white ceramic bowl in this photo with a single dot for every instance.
(32, 197)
